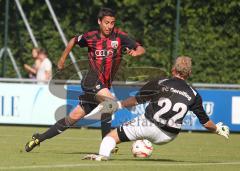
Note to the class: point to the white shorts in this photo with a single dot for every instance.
(142, 128)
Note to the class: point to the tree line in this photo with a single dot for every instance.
(209, 33)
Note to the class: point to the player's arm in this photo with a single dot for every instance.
(129, 102)
(80, 40)
(210, 126)
(132, 47)
(136, 52)
(65, 53)
(219, 128)
(149, 91)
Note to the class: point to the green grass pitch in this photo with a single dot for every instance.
(189, 151)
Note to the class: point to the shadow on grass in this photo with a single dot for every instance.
(149, 159)
(82, 152)
(163, 160)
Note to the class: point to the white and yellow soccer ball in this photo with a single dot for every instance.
(142, 148)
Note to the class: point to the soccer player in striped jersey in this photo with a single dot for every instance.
(105, 51)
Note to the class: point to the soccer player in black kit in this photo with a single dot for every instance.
(105, 50)
(169, 100)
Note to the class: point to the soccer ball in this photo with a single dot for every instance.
(142, 148)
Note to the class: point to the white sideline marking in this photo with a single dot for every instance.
(114, 164)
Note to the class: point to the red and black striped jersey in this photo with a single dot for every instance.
(105, 54)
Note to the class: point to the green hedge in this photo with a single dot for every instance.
(209, 33)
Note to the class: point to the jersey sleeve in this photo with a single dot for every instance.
(197, 109)
(128, 42)
(150, 91)
(81, 40)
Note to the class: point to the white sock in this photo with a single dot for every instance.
(108, 143)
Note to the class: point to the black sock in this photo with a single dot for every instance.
(106, 124)
(54, 130)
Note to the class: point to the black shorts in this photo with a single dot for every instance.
(91, 83)
(121, 134)
(88, 101)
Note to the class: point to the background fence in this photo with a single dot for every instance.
(37, 104)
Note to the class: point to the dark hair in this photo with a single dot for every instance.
(106, 12)
(42, 51)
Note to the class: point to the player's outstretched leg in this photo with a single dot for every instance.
(32, 143)
(56, 129)
(53, 131)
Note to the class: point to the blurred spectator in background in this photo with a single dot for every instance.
(32, 70)
(44, 72)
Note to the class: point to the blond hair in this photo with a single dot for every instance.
(183, 66)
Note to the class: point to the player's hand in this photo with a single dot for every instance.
(131, 52)
(60, 64)
(222, 130)
(110, 106)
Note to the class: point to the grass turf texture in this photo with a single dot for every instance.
(190, 151)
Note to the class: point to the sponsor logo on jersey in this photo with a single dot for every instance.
(114, 44)
(102, 53)
(183, 93)
(165, 89)
(98, 87)
(79, 38)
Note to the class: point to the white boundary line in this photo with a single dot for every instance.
(106, 164)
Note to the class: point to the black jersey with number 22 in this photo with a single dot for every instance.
(169, 101)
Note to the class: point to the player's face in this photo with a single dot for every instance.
(106, 25)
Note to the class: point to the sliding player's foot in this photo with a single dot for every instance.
(95, 157)
(32, 143)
